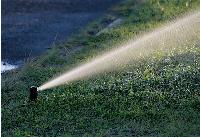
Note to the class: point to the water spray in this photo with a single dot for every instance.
(182, 32)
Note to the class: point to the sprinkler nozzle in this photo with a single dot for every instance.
(33, 93)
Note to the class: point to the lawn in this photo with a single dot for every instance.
(154, 96)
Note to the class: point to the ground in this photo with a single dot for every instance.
(154, 96)
(31, 27)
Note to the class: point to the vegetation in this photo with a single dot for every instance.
(158, 96)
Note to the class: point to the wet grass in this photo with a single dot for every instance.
(158, 96)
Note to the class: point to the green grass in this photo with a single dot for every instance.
(158, 96)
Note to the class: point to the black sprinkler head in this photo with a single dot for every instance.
(33, 93)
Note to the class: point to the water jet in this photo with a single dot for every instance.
(180, 33)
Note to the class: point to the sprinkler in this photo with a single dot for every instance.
(33, 93)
